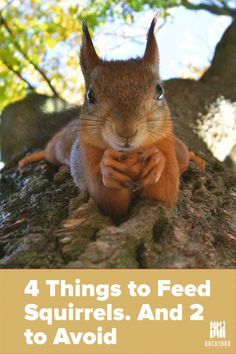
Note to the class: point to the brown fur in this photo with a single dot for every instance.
(124, 141)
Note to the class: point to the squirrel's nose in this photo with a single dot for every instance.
(126, 134)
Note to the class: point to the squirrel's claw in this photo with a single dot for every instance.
(153, 167)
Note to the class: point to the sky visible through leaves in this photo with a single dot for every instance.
(49, 32)
(186, 41)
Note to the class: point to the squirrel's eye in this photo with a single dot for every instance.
(90, 96)
(159, 92)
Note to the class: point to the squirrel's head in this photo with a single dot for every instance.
(124, 102)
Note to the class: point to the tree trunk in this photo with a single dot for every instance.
(223, 66)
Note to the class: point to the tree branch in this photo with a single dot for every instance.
(17, 73)
(18, 47)
(214, 9)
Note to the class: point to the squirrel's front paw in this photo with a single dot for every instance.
(115, 173)
(153, 166)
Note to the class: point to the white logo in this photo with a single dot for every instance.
(217, 329)
(217, 334)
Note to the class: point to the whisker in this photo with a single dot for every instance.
(159, 131)
(99, 119)
(158, 122)
(84, 124)
(92, 120)
(175, 123)
(91, 130)
(161, 134)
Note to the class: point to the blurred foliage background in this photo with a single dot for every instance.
(40, 40)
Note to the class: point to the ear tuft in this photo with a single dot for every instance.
(151, 31)
(85, 31)
(88, 56)
(151, 54)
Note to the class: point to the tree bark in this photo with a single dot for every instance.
(223, 66)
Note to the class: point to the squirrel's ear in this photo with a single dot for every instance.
(151, 54)
(88, 56)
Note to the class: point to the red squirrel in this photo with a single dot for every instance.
(123, 141)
